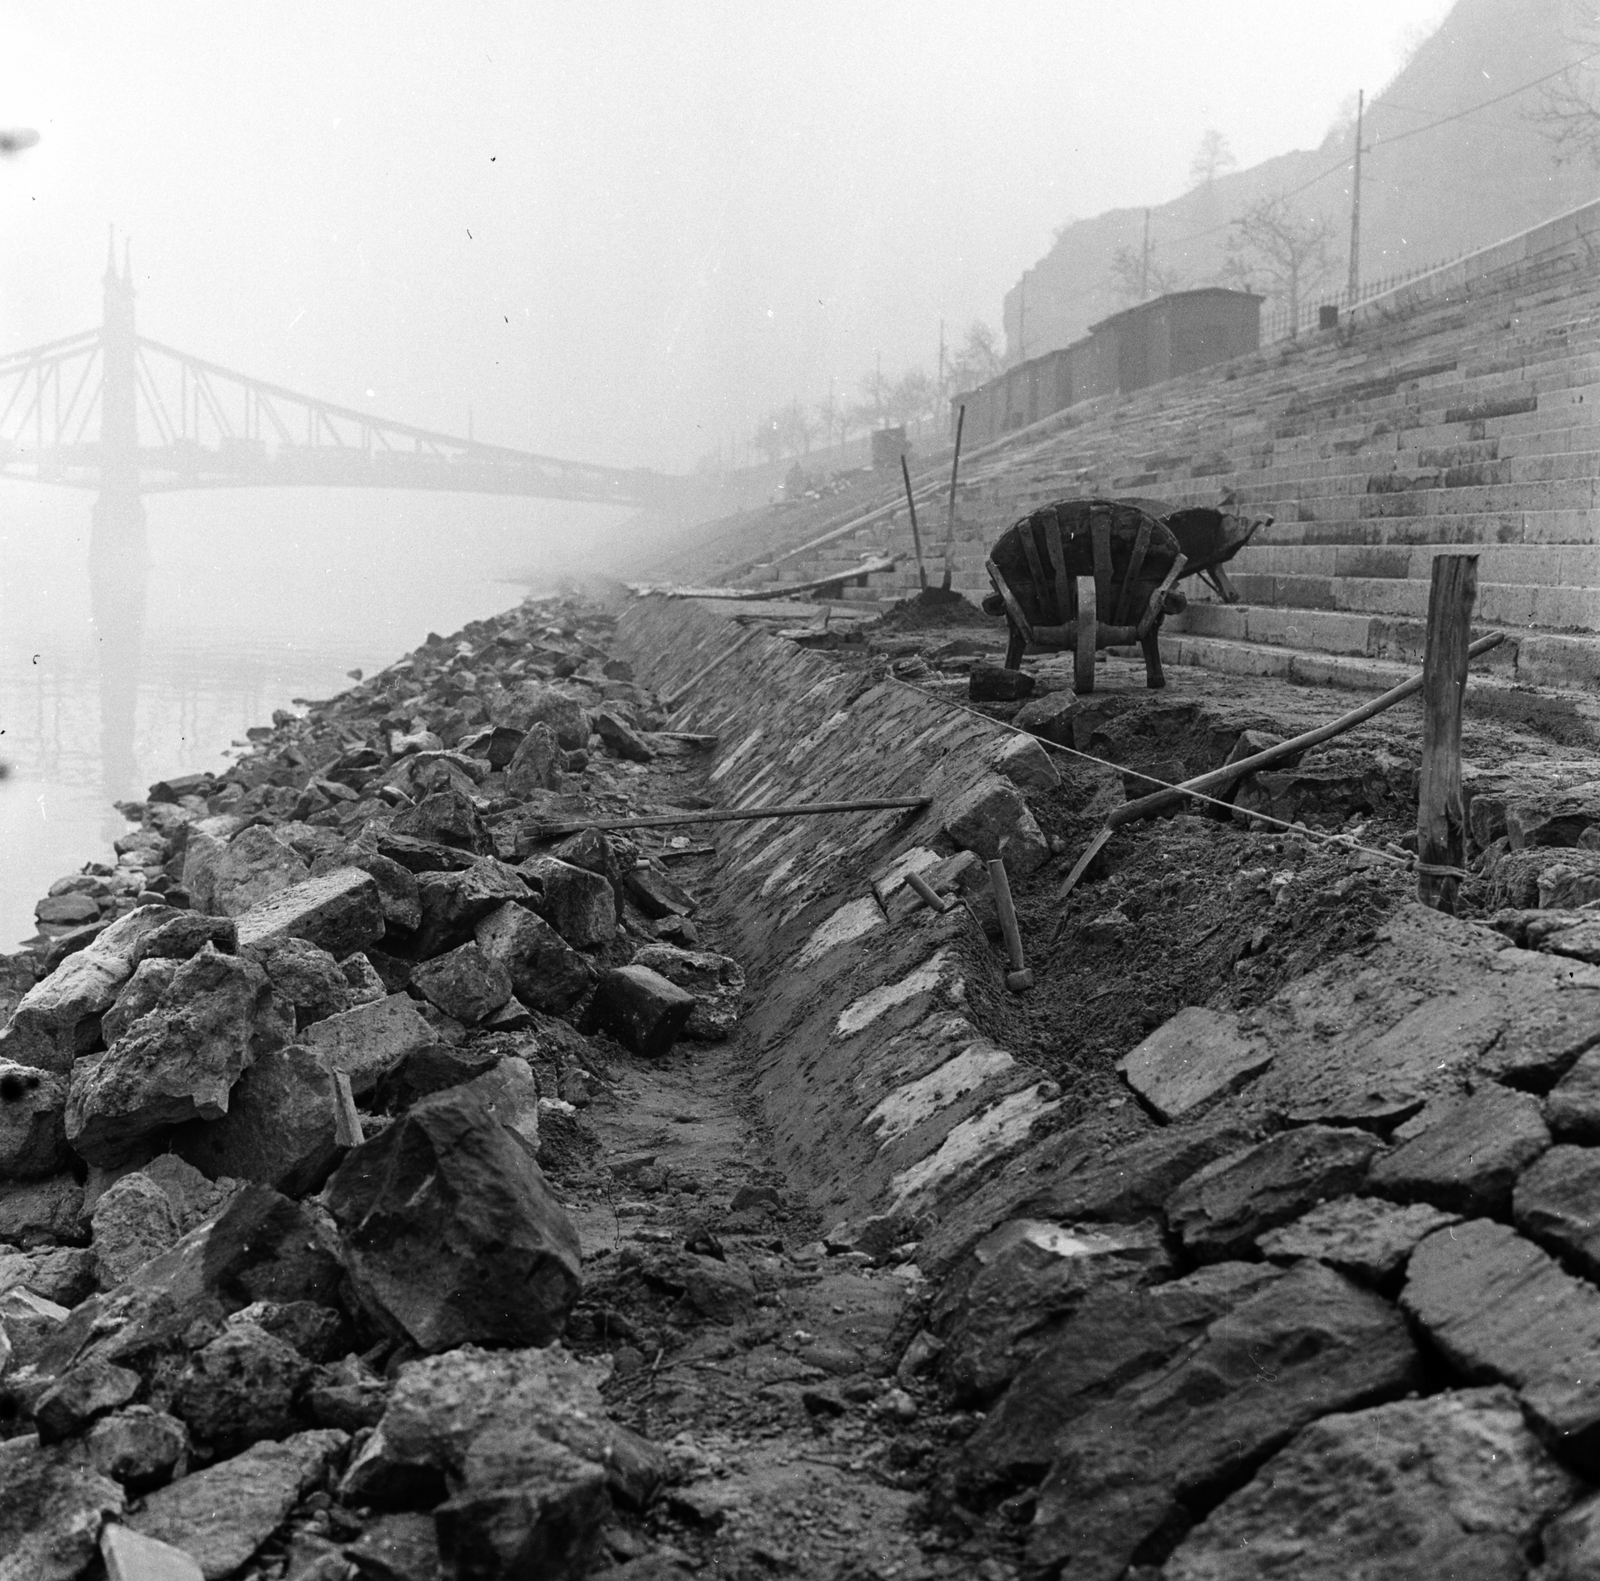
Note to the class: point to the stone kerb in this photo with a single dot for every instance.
(883, 1097)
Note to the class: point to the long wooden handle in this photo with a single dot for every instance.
(1147, 806)
(810, 809)
(911, 505)
(1008, 914)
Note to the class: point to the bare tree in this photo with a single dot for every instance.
(912, 398)
(1211, 158)
(1280, 253)
(875, 390)
(978, 361)
(768, 437)
(795, 429)
(1137, 278)
(830, 415)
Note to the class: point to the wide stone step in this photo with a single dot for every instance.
(1543, 565)
(1466, 528)
(1558, 608)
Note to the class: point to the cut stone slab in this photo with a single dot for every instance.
(1220, 1210)
(279, 1128)
(130, 1556)
(252, 866)
(1464, 1154)
(372, 1041)
(1453, 1485)
(581, 906)
(176, 1063)
(466, 983)
(52, 1512)
(1501, 1310)
(546, 972)
(992, 819)
(449, 1232)
(1306, 1344)
(1557, 1204)
(33, 1137)
(397, 884)
(1117, 1334)
(1026, 1280)
(1365, 1237)
(640, 1009)
(1197, 1057)
(1572, 1107)
(223, 1514)
(340, 912)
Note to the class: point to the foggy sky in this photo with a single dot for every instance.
(618, 232)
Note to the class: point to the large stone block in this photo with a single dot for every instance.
(339, 912)
(992, 819)
(133, 1221)
(372, 1041)
(1195, 1058)
(532, 703)
(1364, 1237)
(716, 981)
(640, 1009)
(449, 1232)
(546, 972)
(454, 903)
(306, 977)
(536, 763)
(176, 1063)
(33, 1136)
(466, 984)
(52, 1512)
(581, 906)
(1557, 1203)
(252, 866)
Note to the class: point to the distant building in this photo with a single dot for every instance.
(1159, 339)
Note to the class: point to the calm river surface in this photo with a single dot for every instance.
(242, 601)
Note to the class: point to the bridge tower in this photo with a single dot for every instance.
(119, 509)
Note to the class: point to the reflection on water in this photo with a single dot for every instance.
(131, 650)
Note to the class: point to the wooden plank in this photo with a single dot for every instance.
(1441, 811)
(1066, 590)
(1100, 538)
(1149, 806)
(1030, 547)
(916, 536)
(1088, 637)
(1020, 621)
(1141, 547)
(346, 1122)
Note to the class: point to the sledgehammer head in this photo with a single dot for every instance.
(1020, 982)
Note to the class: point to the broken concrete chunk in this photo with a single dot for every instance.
(578, 904)
(240, 1388)
(129, 1556)
(139, 1447)
(466, 983)
(306, 977)
(1365, 1237)
(33, 1136)
(446, 818)
(640, 1009)
(80, 1395)
(372, 1041)
(139, 996)
(339, 912)
(223, 1514)
(716, 981)
(1195, 1058)
(1464, 1154)
(254, 865)
(454, 903)
(52, 1512)
(546, 972)
(992, 819)
(133, 1221)
(176, 1063)
(449, 1232)
(1220, 1210)
(532, 702)
(1427, 1487)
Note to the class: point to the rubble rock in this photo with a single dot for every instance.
(279, 1128)
(81, 1394)
(30, 1323)
(133, 1221)
(454, 903)
(1568, 885)
(1026, 764)
(1552, 817)
(448, 818)
(1306, 1344)
(65, 1275)
(716, 981)
(42, 1212)
(620, 737)
(578, 904)
(240, 1388)
(1024, 1282)
(400, 1546)
(397, 885)
(139, 996)
(307, 978)
(1220, 1210)
(52, 1512)
(1571, 1543)
(546, 972)
(193, 1196)
(33, 1138)
(317, 1332)
(66, 910)
(655, 894)
(1572, 1109)
(372, 1041)
(1191, 1061)
(640, 1009)
(1369, 1239)
(511, 1092)
(254, 865)
(532, 703)
(1453, 1485)
(1516, 876)
(366, 986)
(345, 1395)
(992, 683)
(449, 1233)
(466, 983)
(1464, 1154)
(139, 1447)
(131, 1557)
(223, 1514)
(1557, 1203)
(187, 934)
(992, 819)
(339, 912)
(175, 1063)
(546, 1524)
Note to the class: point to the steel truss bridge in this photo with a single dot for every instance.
(113, 411)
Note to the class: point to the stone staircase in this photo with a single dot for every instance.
(1463, 413)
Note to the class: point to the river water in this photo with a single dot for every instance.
(239, 602)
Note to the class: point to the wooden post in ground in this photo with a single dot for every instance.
(1441, 813)
(916, 537)
(950, 514)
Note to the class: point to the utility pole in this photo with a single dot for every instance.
(941, 362)
(1355, 206)
(1022, 318)
(1144, 262)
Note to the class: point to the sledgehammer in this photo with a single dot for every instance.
(1019, 979)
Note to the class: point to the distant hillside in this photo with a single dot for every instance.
(1426, 198)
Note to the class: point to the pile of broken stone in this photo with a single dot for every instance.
(280, 1276)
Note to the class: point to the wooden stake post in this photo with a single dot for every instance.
(916, 537)
(1441, 812)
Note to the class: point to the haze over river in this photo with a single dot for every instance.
(250, 598)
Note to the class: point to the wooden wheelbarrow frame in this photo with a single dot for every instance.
(1079, 625)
